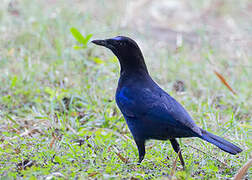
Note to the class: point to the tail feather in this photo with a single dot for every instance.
(220, 143)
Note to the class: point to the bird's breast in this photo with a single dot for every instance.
(125, 101)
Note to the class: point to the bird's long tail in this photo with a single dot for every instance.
(220, 143)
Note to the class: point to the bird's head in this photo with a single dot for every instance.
(126, 50)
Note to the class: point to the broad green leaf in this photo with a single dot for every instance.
(77, 35)
(80, 38)
(87, 38)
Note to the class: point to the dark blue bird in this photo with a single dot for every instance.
(150, 112)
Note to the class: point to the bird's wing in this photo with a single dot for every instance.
(166, 108)
(156, 105)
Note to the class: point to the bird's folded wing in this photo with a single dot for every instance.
(170, 112)
(154, 106)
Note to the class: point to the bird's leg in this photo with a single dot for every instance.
(141, 149)
(177, 149)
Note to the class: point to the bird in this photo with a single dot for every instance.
(149, 111)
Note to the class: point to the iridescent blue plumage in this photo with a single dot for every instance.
(149, 111)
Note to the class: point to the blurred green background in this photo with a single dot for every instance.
(58, 117)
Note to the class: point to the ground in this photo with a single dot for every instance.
(58, 117)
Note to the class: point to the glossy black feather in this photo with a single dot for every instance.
(150, 112)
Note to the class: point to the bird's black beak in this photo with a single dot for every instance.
(108, 43)
(100, 42)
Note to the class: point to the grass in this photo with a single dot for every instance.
(58, 117)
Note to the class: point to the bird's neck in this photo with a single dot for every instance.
(136, 73)
(133, 76)
(133, 65)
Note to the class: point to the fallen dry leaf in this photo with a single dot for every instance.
(178, 86)
(243, 170)
(93, 174)
(53, 140)
(125, 160)
(224, 82)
